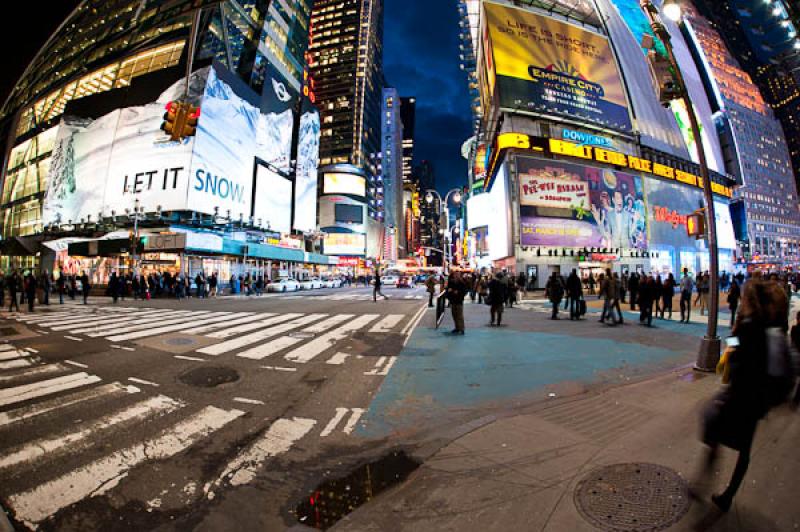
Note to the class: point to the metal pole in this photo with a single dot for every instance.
(136, 237)
(708, 355)
(192, 44)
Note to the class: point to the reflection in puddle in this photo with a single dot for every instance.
(334, 499)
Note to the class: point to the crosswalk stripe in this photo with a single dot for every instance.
(277, 345)
(72, 318)
(29, 411)
(47, 368)
(33, 506)
(307, 352)
(126, 318)
(278, 439)
(247, 319)
(241, 341)
(334, 422)
(106, 323)
(149, 323)
(387, 323)
(34, 318)
(11, 355)
(18, 394)
(15, 364)
(247, 327)
(7, 347)
(170, 328)
(154, 406)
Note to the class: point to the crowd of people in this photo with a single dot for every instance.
(26, 287)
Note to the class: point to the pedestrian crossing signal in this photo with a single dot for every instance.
(190, 126)
(696, 224)
(180, 120)
(169, 125)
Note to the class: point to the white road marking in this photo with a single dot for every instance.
(169, 328)
(351, 423)
(76, 364)
(193, 359)
(25, 392)
(96, 478)
(112, 329)
(158, 405)
(63, 325)
(387, 324)
(278, 439)
(379, 368)
(277, 345)
(11, 355)
(411, 325)
(127, 348)
(247, 319)
(27, 412)
(16, 364)
(32, 350)
(252, 338)
(337, 359)
(7, 347)
(337, 417)
(233, 331)
(248, 401)
(73, 338)
(278, 368)
(317, 346)
(41, 332)
(142, 381)
(48, 368)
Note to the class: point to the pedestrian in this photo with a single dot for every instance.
(623, 286)
(46, 285)
(647, 293)
(522, 283)
(554, 290)
(687, 285)
(456, 291)
(667, 295)
(703, 290)
(796, 332)
(495, 297)
(590, 282)
(430, 286)
(2, 289)
(198, 284)
(575, 294)
(512, 291)
(376, 291)
(633, 287)
(73, 286)
(734, 294)
(658, 294)
(606, 295)
(30, 290)
(758, 379)
(616, 290)
(113, 287)
(85, 286)
(13, 283)
(483, 289)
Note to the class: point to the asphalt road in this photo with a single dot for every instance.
(216, 414)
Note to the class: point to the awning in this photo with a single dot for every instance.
(21, 245)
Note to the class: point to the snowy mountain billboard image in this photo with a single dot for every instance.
(305, 204)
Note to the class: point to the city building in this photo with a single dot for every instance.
(768, 190)
(392, 171)
(469, 13)
(95, 169)
(586, 167)
(408, 113)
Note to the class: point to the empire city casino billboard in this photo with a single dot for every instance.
(549, 66)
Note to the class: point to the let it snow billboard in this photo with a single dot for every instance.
(104, 165)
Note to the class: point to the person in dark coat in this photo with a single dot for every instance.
(734, 294)
(731, 417)
(646, 297)
(113, 286)
(86, 287)
(46, 284)
(498, 292)
(30, 290)
(2, 289)
(13, 286)
(633, 286)
(575, 294)
(554, 290)
(666, 296)
(456, 291)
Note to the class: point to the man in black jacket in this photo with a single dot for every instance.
(456, 291)
(498, 291)
(575, 293)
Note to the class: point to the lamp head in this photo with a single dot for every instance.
(672, 10)
(429, 197)
(457, 197)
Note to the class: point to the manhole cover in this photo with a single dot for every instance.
(632, 497)
(180, 341)
(209, 377)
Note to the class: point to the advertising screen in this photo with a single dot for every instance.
(669, 204)
(548, 66)
(305, 203)
(353, 214)
(336, 183)
(272, 208)
(563, 204)
(344, 244)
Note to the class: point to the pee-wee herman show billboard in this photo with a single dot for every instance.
(104, 165)
(548, 66)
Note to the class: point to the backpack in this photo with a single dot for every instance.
(781, 367)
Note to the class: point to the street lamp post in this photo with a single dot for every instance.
(444, 211)
(708, 356)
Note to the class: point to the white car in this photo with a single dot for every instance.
(284, 285)
(331, 283)
(309, 284)
(316, 283)
(389, 280)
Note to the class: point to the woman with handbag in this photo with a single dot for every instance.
(730, 419)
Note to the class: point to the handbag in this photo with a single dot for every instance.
(724, 365)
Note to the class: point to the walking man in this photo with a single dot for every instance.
(430, 286)
(85, 286)
(377, 290)
(456, 291)
(734, 294)
(575, 294)
(687, 285)
(30, 290)
(555, 293)
(13, 285)
(496, 297)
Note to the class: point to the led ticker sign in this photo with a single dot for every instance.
(601, 155)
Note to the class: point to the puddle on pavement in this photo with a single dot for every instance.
(209, 377)
(334, 499)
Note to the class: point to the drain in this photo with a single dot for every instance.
(334, 499)
(632, 497)
(209, 377)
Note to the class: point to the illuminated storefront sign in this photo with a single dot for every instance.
(340, 183)
(345, 244)
(586, 138)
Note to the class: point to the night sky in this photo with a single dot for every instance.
(420, 59)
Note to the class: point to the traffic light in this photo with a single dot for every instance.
(170, 125)
(180, 120)
(190, 126)
(696, 224)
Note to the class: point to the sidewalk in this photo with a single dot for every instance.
(509, 423)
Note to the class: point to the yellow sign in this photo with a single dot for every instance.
(546, 65)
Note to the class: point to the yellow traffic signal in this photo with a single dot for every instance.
(180, 120)
(696, 224)
(190, 126)
(169, 124)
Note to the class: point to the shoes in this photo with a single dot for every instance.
(722, 501)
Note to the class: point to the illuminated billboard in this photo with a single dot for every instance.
(341, 183)
(344, 244)
(305, 202)
(563, 204)
(548, 66)
(273, 200)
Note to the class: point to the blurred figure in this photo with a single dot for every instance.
(430, 287)
(456, 291)
(2, 289)
(687, 286)
(647, 296)
(734, 294)
(667, 294)
(554, 290)
(575, 294)
(12, 281)
(85, 286)
(760, 378)
(495, 297)
(30, 290)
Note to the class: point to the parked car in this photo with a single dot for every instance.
(331, 283)
(316, 283)
(284, 285)
(389, 280)
(404, 281)
(308, 284)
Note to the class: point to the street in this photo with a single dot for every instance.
(132, 415)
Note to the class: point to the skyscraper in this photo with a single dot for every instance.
(346, 62)
(392, 170)
(408, 112)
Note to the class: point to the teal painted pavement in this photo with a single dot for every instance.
(438, 373)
